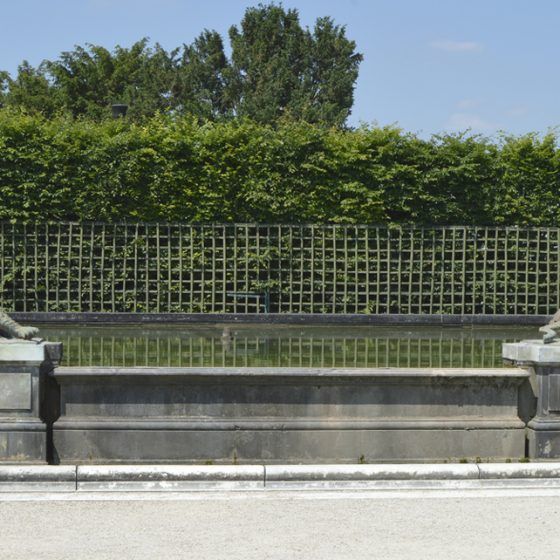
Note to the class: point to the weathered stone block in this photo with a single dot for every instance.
(542, 361)
(294, 415)
(24, 367)
(15, 391)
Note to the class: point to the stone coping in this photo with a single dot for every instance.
(258, 423)
(277, 318)
(33, 351)
(72, 478)
(29, 351)
(532, 351)
(296, 372)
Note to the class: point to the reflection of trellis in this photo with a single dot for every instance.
(306, 269)
(304, 351)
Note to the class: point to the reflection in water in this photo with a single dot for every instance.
(227, 339)
(271, 345)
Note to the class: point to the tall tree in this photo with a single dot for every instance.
(280, 69)
(32, 90)
(91, 79)
(268, 63)
(4, 83)
(331, 73)
(200, 88)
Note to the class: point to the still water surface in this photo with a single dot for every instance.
(285, 345)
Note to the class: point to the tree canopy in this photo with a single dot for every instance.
(277, 70)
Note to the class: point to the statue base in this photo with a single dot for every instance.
(24, 369)
(543, 362)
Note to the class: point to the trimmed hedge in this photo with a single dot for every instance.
(180, 170)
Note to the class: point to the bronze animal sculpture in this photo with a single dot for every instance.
(10, 329)
(551, 329)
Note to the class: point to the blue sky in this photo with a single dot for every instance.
(429, 65)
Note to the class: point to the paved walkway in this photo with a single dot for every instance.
(321, 525)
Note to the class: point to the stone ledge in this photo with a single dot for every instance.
(389, 373)
(108, 318)
(515, 470)
(169, 477)
(40, 478)
(27, 351)
(162, 478)
(33, 351)
(308, 473)
(532, 351)
(410, 476)
(447, 423)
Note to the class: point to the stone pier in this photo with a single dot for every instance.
(24, 413)
(543, 363)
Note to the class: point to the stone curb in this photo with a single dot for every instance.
(169, 477)
(517, 471)
(309, 473)
(40, 478)
(106, 478)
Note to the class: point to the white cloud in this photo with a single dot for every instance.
(463, 121)
(456, 46)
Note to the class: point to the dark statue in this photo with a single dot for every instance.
(551, 329)
(10, 329)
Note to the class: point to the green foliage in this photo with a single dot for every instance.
(202, 79)
(88, 80)
(277, 70)
(178, 169)
(460, 179)
(530, 178)
(4, 80)
(268, 63)
(31, 90)
(332, 72)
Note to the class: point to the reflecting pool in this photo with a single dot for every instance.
(284, 345)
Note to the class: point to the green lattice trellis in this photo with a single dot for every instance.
(306, 269)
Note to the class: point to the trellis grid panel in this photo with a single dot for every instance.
(250, 268)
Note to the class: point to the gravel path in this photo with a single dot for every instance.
(283, 526)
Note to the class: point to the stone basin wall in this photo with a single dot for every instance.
(288, 415)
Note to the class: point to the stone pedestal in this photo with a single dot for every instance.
(543, 362)
(24, 369)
